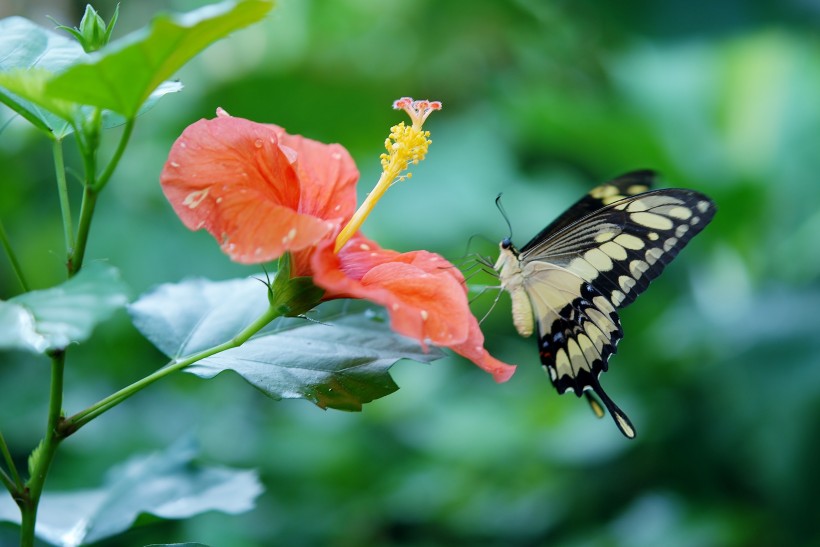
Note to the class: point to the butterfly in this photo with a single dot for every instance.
(568, 282)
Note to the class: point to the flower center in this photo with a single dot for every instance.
(406, 145)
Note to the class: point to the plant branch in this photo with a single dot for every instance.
(75, 258)
(44, 454)
(102, 180)
(8, 483)
(75, 422)
(62, 191)
(10, 463)
(15, 265)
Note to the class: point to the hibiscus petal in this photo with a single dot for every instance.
(328, 175)
(423, 293)
(230, 176)
(473, 349)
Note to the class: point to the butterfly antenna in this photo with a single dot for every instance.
(621, 419)
(503, 214)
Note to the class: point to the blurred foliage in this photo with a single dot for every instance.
(719, 367)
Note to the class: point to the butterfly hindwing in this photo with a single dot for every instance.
(578, 328)
(578, 331)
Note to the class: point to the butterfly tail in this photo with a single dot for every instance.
(621, 419)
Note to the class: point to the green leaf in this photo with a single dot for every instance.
(168, 485)
(340, 363)
(121, 76)
(25, 46)
(49, 319)
(339, 359)
(185, 318)
(30, 56)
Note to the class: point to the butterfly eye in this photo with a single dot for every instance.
(506, 243)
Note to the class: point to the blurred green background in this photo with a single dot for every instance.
(719, 367)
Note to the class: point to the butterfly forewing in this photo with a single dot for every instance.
(620, 248)
(617, 189)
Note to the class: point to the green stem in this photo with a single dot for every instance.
(75, 422)
(8, 483)
(45, 452)
(10, 463)
(93, 186)
(62, 191)
(102, 180)
(75, 258)
(13, 259)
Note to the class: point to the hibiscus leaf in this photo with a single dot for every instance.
(29, 55)
(168, 485)
(338, 359)
(122, 75)
(185, 318)
(53, 318)
(340, 363)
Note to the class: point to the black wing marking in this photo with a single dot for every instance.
(578, 331)
(628, 184)
(621, 247)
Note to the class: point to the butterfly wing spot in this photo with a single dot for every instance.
(681, 213)
(637, 268)
(651, 220)
(628, 241)
(584, 269)
(626, 283)
(598, 259)
(614, 250)
(604, 236)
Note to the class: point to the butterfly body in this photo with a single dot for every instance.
(567, 283)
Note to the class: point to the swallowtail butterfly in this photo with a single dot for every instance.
(568, 281)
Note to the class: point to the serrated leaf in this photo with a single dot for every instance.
(49, 319)
(341, 362)
(169, 485)
(34, 458)
(121, 76)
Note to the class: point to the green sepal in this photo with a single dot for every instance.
(292, 296)
(93, 33)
